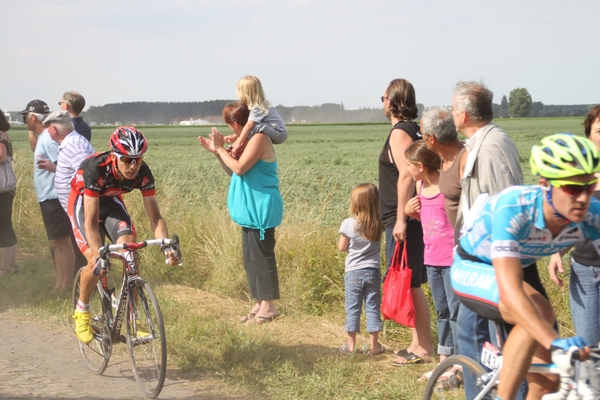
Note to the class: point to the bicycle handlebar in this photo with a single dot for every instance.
(104, 251)
(572, 369)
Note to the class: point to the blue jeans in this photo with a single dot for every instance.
(473, 332)
(446, 307)
(363, 285)
(584, 295)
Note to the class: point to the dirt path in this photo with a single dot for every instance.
(41, 361)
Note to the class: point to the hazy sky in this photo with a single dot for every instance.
(305, 52)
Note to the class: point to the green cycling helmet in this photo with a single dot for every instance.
(563, 155)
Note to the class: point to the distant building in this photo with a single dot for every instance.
(192, 121)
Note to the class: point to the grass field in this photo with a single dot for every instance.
(296, 357)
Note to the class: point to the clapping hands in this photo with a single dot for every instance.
(214, 143)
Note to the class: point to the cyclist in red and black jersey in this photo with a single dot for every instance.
(96, 209)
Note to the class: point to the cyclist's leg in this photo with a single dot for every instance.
(519, 350)
(117, 222)
(87, 280)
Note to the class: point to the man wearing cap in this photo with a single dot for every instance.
(73, 148)
(74, 103)
(33, 115)
(56, 221)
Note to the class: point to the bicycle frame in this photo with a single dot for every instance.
(130, 274)
(567, 383)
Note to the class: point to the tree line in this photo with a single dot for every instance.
(519, 104)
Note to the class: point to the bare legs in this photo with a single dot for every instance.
(8, 260)
(519, 349)
(421, 343)
(64, 260)
(88, 280)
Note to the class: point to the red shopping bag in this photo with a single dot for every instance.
(397, 303)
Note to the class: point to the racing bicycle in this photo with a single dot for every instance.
(135, 307)
(578, 379)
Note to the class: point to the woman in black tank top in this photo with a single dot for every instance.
(396, 187)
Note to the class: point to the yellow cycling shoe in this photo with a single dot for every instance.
(140, 332)
(83, 326)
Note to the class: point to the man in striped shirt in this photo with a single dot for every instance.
(72, 150)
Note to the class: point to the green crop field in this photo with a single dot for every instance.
(318, 166)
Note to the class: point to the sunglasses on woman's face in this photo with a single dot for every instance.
(575, 188)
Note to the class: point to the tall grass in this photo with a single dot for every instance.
(295, 357)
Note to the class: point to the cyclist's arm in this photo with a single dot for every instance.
(157, 223)
(91, 209)
(515, 305)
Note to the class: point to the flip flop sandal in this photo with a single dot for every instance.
(453, 380)
(400, 353)
(411, 359)
(366, 349)
(425, 377)
(345, 349)
(258, 320)
(247, 318)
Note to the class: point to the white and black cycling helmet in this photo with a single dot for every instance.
(128, 141)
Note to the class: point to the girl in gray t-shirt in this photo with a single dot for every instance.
(360, 236)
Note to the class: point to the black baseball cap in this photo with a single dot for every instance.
(36, 106)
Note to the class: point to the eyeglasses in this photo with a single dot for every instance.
(25, 118)
(60, 103)
(130, 160)
(575, 188)
(384, 97)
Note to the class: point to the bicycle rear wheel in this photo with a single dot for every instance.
(97, 353)
(146, 340)
(451, 386)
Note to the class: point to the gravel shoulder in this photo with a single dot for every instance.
(42, 361)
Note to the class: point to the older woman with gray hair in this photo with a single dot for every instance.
(440, 136)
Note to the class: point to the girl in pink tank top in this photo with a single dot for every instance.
(438, 236)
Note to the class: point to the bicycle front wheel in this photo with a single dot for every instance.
(452, 372)
(146, 340)
(97, 353)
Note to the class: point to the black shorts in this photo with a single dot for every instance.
(55, 219)
(114, 219)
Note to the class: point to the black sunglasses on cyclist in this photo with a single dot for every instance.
(130, 160)
(575, 188)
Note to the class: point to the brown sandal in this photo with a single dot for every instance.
(247, 318)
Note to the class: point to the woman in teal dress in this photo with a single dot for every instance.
(254, 203)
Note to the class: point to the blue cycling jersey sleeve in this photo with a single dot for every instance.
(512, 224)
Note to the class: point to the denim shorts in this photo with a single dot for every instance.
(363, 286)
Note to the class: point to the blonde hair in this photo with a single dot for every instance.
(364, 206)
(250, 91)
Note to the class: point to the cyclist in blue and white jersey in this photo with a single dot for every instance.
(512, 230)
